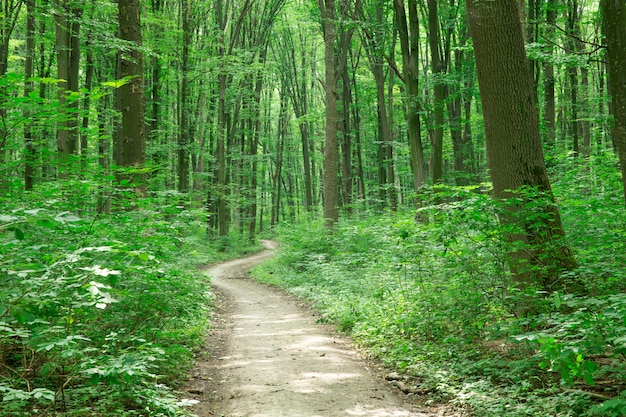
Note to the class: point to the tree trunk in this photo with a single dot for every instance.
(65, 145)
(409, 44)
(614, 28)
(549, 110)
(9, 13)
(538, 254)
(132, 146)
(183, 134)
(438, 70)
(346, 143)
(331, 214)
(572, 72)
(29, 165)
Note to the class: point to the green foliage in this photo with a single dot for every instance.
(430, 295)
(99, 314)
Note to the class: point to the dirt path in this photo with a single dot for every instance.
(268, 358)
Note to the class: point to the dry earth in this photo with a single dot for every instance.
(266, 357)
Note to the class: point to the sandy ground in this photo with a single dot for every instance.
(266, 357)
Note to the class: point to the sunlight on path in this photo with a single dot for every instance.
(280, 363)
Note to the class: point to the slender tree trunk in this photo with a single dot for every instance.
(438, 69)
(183, 134)
(572, 72)
(29, 165)
(9, 14)
(65, 145)
(409, 44)
(89, 73)
(514, 145)
(280, 146)
(549, 110)
(346, 143)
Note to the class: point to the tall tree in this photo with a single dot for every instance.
(408, 34)
(331, 214)
(438, 66)
(183, 133)
(514, 148)
(9, 14)
(29, 166)
(374, 42)
(131, 145)
(549, 109)
(614, 28)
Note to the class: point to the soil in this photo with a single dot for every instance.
(266, 357)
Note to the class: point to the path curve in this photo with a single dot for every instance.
(277, 362)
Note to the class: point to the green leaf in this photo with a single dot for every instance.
(19, 235)
(24, 316)
(557, 300)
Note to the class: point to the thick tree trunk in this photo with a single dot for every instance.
(538, 254)
(614, 28)
(331, 214)
(131, 140)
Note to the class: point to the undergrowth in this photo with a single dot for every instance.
(100, 314)
(431, 297)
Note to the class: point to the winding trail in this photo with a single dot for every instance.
(268, 358)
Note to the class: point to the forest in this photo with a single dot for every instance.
(447, 180)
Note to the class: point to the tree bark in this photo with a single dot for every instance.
(614, 28)
(438, 70)
(183, 134)
(549, 110)
(330, 212)
(29, 163)
(538, 254)
(131, 140)
(409, 44)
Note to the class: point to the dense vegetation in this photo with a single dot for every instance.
(433, 299)
(466, 158)
(101, 315)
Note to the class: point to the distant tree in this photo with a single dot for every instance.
(408, 33)
(29, 165)
(514, 148)
(614, 27)
(438, 63)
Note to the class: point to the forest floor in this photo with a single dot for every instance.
(267, 357)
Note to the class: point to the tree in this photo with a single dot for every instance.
(409, 44)
(331, 214)
(29, 168)
(438, 68)
(131, 146)
(614, 28)
(538, 255)
(183, 134)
